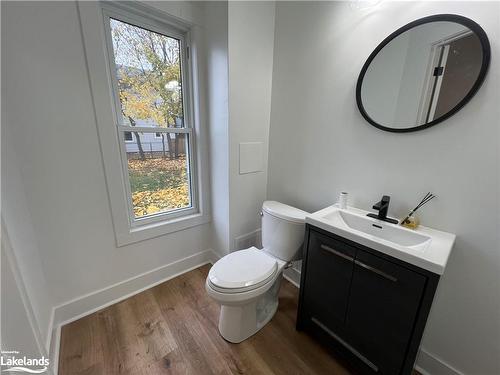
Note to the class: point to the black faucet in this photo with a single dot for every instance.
(382, 207)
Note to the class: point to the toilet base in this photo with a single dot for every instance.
(239, 322)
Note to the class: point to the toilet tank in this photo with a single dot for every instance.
(283, 230)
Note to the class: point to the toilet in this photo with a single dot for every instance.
(246, 282)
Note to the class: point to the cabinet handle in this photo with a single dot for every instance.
(375, 270)
(345, 344)
(337, 253)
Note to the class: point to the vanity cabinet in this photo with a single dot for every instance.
(368, 307)
(332, 264)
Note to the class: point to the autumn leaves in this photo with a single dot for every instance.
(158, 185)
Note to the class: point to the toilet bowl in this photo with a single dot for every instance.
(246, 282)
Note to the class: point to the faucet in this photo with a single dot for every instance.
(382, 207)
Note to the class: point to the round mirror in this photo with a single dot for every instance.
(423, 73)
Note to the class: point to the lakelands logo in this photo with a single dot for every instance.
(11, 361)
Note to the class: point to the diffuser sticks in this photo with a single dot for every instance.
(428, 197)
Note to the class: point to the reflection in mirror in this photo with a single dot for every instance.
(421, 75)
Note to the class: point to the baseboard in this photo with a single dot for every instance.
(48, 339)
(247, 240)
(292, 275)
(92, 302)
(429, 364)
(214, 256)
(89, 303)
(55, 343)
(420, 370)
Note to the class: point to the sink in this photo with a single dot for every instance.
(380, 230)
(424, 247)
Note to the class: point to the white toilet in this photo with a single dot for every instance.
(246, 282)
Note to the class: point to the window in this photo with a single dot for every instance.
(148, 118)
(151, 103)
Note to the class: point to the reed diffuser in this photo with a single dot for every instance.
(411, 222)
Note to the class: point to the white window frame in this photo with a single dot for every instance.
(110, 12)
(104, 87)
(158, 136)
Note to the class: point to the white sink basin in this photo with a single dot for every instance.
(424, 247)
(380, 229)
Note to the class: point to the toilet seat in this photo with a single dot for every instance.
(242, 271)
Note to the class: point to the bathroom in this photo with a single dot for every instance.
(274, 126)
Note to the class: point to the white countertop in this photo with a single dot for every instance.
(432, 255)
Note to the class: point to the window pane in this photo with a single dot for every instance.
(148, 69)
(159, 173)
(128, 136)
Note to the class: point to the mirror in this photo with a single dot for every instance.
(423, 73)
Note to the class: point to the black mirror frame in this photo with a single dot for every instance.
(467, 22)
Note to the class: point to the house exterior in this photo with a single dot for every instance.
(154, 142)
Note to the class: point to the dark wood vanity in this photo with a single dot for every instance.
(365, 306)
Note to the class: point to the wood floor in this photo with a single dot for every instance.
(172, 329)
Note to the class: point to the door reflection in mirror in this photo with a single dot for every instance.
(422, 74)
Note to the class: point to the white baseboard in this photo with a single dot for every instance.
(429, 364)
(292, 275)
(55, 342)
(214, 256)
(247, 240)
(92, 302)
(48, 339)
(89, 303)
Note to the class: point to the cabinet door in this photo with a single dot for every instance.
(330, 265)
(383, 305)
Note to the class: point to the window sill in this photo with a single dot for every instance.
(156, 229)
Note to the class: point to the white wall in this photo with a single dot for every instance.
(19, 326)
(15, 207)
(52, 128)
(216, 44)
(320, 145)
(18, 227)
(250, 46)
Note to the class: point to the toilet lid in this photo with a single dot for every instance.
(242, 269)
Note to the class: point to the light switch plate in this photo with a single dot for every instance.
(251, 159)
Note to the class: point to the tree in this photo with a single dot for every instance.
(149, 79)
